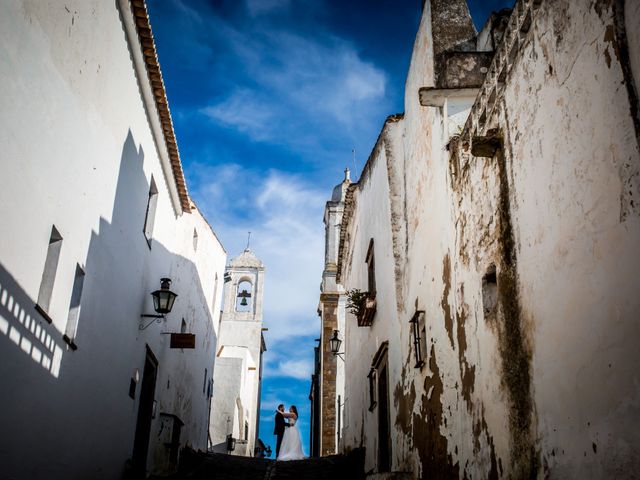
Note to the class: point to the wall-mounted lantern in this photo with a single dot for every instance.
(334, 345)
(163, 301)
(419, 335)
(227, 277)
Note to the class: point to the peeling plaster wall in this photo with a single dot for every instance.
(372, 220)
(543, 384)
(573, 166)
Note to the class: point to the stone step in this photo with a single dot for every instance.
(391, 476)
(217, 466)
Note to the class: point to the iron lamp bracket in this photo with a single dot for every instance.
(155, 318)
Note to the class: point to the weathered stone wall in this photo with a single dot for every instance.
(372, 216)
(519, 241)
(567, 223)
(331, 310)
(329, 318)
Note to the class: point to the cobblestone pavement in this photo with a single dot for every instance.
(213, 466)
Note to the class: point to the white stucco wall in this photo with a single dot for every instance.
(228, 379)
(240, 343)
(79, 154)
(372, 211)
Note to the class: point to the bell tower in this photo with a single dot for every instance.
(330, 373)
(237, 374)
(244, 282)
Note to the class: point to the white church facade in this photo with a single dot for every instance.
(94, 213)
(237, 377)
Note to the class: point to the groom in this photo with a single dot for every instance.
(278, 431)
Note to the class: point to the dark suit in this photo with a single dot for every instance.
(278, 430)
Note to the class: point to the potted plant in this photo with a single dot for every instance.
(362, 305)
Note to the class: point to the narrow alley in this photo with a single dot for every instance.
(328, 239)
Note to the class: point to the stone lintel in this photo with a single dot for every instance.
(435, 97)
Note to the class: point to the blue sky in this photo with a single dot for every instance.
(268, 99)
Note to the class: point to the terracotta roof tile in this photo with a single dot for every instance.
(150, 54)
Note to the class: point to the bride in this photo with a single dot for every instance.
(291, 448)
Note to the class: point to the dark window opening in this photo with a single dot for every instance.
(490, 292)
(371, 270)
(49, 273)
(150, 215)
(74, 308)
(379, 386)
(204, 383)
(373, 384)
(132, 389)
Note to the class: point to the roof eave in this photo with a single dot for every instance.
(157, 94)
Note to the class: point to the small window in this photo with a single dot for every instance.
(132, 389)
(371, 270)
(419, 333)
(49, 273)
(74, 308)
(373, 388)
(150, 216)
(195, 240)
(204, 383)
(490, 292)
(183, 326)
(246, 430)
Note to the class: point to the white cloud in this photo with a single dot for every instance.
(284, 214)
(243, 111)
(295, 88)
(300, 369)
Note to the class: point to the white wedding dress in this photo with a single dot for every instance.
(291, 447)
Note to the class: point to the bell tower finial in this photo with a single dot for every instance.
(248, 241)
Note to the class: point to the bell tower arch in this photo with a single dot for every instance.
(244, 283)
